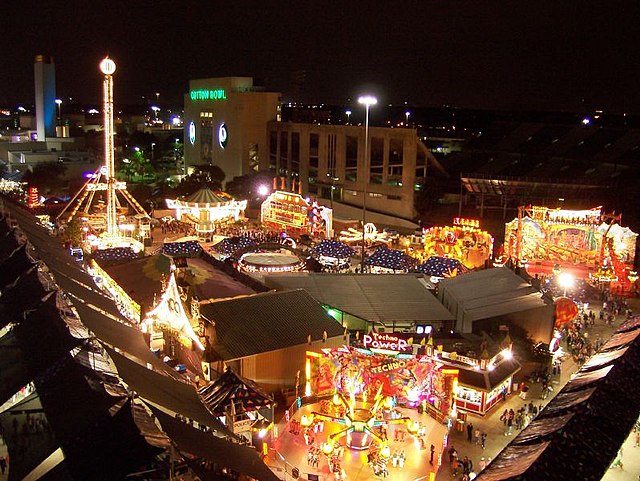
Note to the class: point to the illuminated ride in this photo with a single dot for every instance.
(371, 236)
(360, 419)
(107, 215)
(588, 243)
(207, 210)
(291, 213)
(282, 260)
(463, 241)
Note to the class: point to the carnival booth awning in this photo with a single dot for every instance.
(229, 388)
(182, 249)
(390, 259)
(170, 394)
(232, 245)
(333, 249)
(441, 267)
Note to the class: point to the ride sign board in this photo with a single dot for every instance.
(386, 343)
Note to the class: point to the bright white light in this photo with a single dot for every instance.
(107, 66)
(507, 354)
(93, 111)
(367, 100)
(175, 120)
(263, 190)
(262, 433)
(58, 101)
(566, 280)
(586, 121)
(155, 108)
(348, 112)
(407, 113)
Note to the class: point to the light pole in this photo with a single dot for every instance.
(348, 112)
(406, 115)
(367, 101)
(153, 144)
(59, 104)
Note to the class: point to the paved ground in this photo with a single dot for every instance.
(491, 424)
(291, 450)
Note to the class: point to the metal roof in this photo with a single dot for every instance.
(488, 293)
(266, 322)
(373, 297)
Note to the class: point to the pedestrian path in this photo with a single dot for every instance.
(494, 427)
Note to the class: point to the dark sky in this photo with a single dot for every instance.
(520, 55)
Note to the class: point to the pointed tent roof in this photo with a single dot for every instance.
(170, 312)
(231, 387)
(207, 196)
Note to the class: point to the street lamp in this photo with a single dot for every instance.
(406, 115)
(566, 280)
(367, 101)
(348, 112)
(153, 144)
(59, 103)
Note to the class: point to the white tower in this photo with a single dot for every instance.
(108, 67)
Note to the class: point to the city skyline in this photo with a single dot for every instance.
(466, 54)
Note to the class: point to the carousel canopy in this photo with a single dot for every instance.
(229, 388)
(332, 248)
(207, 196)
(390, 259)
(440, 267)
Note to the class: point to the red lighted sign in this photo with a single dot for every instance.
(461, 221)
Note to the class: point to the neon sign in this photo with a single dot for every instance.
(461, 221)
(208, 94)
(385, 343)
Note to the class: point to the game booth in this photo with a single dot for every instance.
(587, 243)
(463, 241)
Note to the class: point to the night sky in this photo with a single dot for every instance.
(514, 55)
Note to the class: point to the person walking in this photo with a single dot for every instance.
(433, 450)
(469, 432)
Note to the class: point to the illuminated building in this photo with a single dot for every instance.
(225, 124)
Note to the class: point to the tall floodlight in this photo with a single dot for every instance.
(108, 67)
(367, 101)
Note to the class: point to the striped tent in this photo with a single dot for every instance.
(207, 196)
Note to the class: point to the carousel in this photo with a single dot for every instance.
(207, 210)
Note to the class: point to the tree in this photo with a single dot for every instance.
(210, 176)
(46, 176)
(426, 199)
(246, 186)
